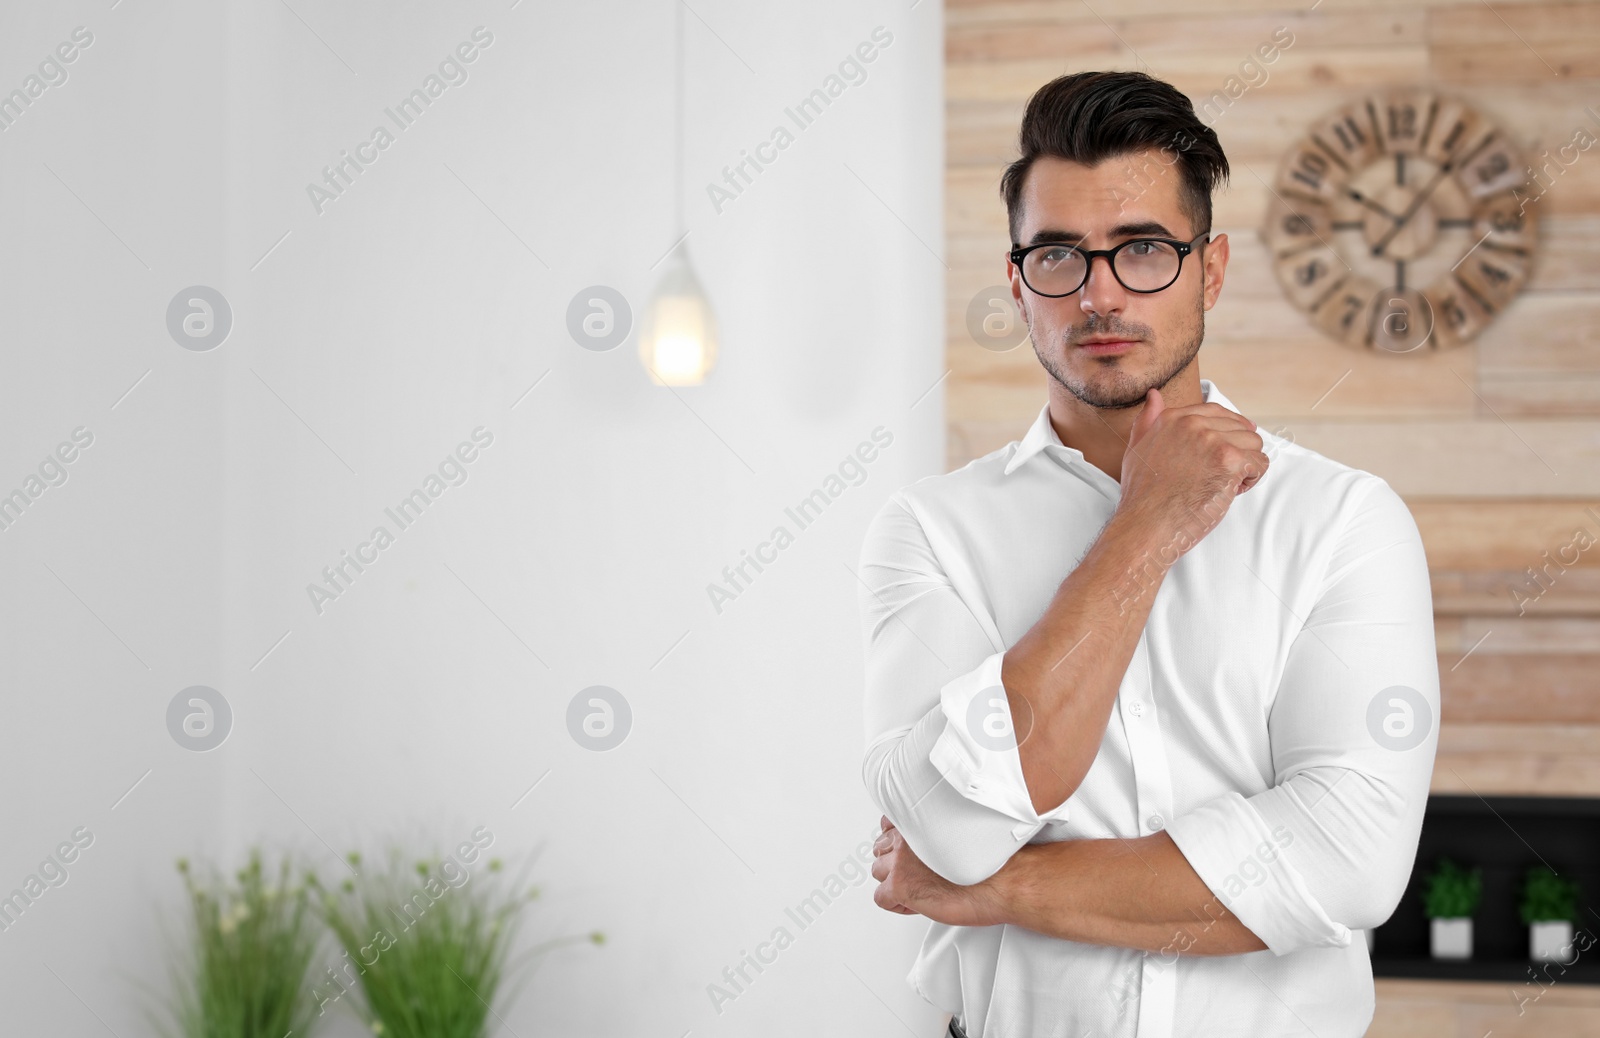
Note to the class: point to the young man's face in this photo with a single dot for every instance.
(1098, 207)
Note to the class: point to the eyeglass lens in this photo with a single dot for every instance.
(1141, 266)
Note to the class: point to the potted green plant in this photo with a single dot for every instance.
(243, 971)
(1450, 897)
(428, 947)
(1550, 908)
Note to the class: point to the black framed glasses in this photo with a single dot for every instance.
(1056, 269)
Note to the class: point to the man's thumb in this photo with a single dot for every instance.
(1153, 406)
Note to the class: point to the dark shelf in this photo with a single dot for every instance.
(1584, 971)
(1503, 836)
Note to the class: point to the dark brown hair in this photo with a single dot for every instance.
(1087, 117)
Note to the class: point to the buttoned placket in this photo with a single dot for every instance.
(1153, 799)
(1151, 777)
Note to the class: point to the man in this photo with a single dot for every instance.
(1151, 694)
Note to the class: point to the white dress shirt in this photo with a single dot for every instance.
(1278, 719)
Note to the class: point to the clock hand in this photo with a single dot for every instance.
(1369, 203)
(1422, 196)
(1411, 210)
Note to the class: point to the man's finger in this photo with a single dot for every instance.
(1254, 472)
(1211, 411)
(880, 897)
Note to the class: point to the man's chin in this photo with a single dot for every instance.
(1121, 404)
(1110, 397)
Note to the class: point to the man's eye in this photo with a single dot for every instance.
(1142, 248)
(1059, 254)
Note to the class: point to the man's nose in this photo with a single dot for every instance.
(1102, 293)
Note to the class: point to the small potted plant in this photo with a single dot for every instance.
(1550, 908)
(427, 947)
(1450, 897)
(251, 944)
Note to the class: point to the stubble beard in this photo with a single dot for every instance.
(1116, 389)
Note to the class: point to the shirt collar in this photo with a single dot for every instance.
(1042, 433)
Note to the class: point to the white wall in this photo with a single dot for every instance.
(430, 695)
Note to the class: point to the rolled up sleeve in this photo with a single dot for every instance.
(1354, 728)
(977, 752)
(941, 761)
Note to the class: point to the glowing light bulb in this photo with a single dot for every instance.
(678, 339)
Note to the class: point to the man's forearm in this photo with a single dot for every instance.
(1131, 893)
(1062, 676)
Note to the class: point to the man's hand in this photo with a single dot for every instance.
(1185, 465)
(909, 887)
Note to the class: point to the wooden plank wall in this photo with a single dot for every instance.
(1494, 446)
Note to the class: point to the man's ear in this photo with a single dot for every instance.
(1014, 279)
(1216, 266)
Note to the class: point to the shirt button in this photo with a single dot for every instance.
(1136, 709)
(1155, 822)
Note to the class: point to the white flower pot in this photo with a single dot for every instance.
(1550, 941)
(1452, 938)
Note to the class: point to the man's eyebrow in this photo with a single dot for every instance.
(1122, 230)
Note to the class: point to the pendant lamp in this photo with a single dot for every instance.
(678, 336)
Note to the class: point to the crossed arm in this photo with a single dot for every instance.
(1341, 819)
(1132, 893)
(1135, 893)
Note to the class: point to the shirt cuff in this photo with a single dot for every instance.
(1230, 847)
(977, 751)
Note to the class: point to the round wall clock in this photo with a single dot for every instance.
(1400, 222)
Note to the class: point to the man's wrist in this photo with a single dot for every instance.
(1142, 551)
(1136, 530)
(1002, 897)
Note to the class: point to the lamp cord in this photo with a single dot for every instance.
(677, 171)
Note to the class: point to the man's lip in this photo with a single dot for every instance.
(1106, 346)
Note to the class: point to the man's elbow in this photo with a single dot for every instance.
(1384, 823)
(1375, 898)
(964, 870)
(959, 851)
(1371, 893)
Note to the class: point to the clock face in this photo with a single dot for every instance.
(1400, 223)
